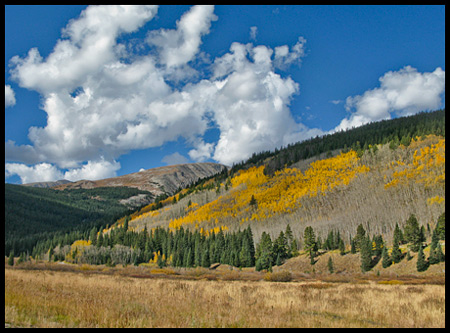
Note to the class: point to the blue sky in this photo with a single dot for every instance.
(102, 91)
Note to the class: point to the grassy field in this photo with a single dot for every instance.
(84, 296)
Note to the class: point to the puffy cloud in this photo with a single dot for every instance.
(42, 172)
(178, 47)
(10, 97)
(404, 92)
(90, 45)
(285, 58)
(93, 170)
(103, 100)
(252, 103)
(202, 152)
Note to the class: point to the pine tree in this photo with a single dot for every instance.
(93, 236)
(440, 226)
(330, 265)
(160, 262)
(366, 254)
(413, 233)
(11, 258)
(278, 261)
(353, 247)
(205, 257)
(433, 258)
(359, 238)
(264, 252)
(342, 247)
(440, 255)
(386, 261)
(396, 254)
(290, 242)
(422, 264)
(310, 244)
(379, 245)
(398, 235)
(280, 247)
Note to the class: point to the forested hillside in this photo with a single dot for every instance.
(373, 177)
(33, 214)
(378, 189)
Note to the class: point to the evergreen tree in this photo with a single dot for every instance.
(160, 262)
(249, 234)
(312, 258)
(360, 237)
(366, 254)
(264, 252)
(278, 262)
(280, 247)
(93, 236)
(413, 233)
(386, 261)
(379, 245)
(436, 254)
(310, 244)
(440, 226)
(396, 254)
(291, 247)
(245, 256)
(205, 257)
(440, 255)
(188, 258)
(398, 235)
(353, 247)
(11, 259)
(330, 265)
(294, 248)
(433, 258)
(342, 247)
(422, 264)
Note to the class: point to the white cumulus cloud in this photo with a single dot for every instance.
(403, 92)
(10, 97)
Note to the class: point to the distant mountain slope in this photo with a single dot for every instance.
(158, 181)
(31, 211)
(48, 184)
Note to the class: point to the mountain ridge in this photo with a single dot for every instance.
(48, 184)
(161, 180)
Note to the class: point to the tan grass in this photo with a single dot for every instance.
(69, 299)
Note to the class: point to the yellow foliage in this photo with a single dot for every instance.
(427, 166)
(279, 194)
(76, 250)
(435, 200)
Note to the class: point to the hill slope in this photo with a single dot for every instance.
(378, 188)
(31, 212)
(157, 181)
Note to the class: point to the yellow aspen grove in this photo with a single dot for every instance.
(256, 196)
(426, 167)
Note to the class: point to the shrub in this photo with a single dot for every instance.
(283, 276)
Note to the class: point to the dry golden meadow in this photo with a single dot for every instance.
(130, 297)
